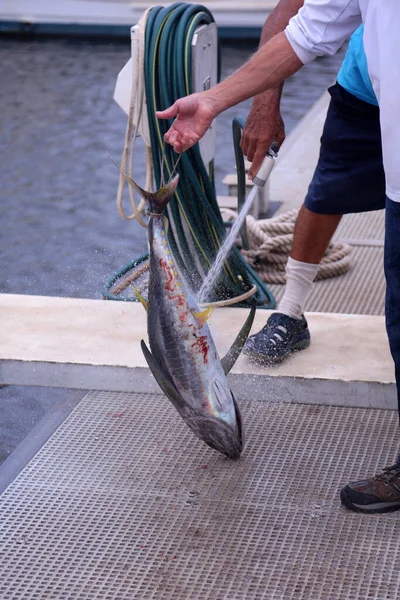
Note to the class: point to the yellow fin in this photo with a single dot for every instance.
(203, 316)
(142, 300)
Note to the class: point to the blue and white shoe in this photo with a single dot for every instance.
(281, 336)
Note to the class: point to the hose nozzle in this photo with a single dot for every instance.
(264, 171)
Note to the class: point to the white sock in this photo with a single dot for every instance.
(299, 280)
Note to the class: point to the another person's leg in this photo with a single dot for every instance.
(382, 492)
(392, 274)
(349, 178)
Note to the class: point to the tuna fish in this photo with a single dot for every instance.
(182, 356)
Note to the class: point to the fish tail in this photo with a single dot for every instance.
(158, 200)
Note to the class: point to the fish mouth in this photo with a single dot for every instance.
(217, 434)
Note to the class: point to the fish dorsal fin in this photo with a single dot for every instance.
(234, 352)
(139, 296)
(203, 316)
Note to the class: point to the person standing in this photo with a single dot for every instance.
(320, 27)
(351, 137)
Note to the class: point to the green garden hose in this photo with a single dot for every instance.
(197, 228)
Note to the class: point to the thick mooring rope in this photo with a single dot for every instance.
(270, 242)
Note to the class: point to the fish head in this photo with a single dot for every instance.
(217, 433)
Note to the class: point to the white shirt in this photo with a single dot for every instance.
(321, 27)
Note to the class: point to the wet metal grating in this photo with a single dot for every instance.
(361, 291)
(124, 503)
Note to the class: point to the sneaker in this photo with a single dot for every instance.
(281, 336)
(377, 495)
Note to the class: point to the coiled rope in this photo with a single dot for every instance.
(269, 242)
(135, 112)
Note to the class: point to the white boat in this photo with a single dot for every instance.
(115, 17)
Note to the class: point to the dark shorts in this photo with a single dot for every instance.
(349, 176)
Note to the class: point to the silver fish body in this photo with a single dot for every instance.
(185, 351)
(182, 356)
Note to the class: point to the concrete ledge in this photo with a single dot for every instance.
(93, 344)
(230, 202)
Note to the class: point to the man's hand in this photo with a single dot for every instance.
(264, 125)
(193, 117)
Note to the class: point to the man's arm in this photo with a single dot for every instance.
(269, 67)
(320, 27)
(264, 124)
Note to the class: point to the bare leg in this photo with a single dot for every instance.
(312, 234)
(287, 330)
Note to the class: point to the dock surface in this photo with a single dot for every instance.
(124, 503)
(93, 344)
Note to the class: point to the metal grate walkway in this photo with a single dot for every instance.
(361, 291)
(123, 503)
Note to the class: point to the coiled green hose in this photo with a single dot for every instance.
(197, 228)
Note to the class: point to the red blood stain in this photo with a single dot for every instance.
(181, 301)
(202, 345)
(169, 285)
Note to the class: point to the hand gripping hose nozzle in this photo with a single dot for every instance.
(263, 173)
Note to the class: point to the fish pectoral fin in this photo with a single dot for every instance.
(239, 421)
(234, 352)
(203, 316)
(163, 380)
(139, 296)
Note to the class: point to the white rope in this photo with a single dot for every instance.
(270, 242)
(130, 137)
